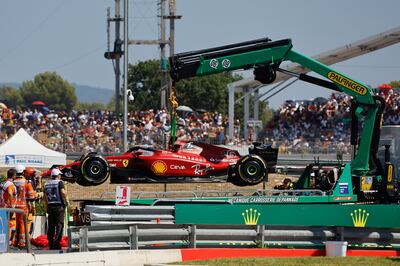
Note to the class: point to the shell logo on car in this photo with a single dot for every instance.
(159, 167)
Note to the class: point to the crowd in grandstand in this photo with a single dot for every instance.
(305, 126)
(321, 125)
(101, 130)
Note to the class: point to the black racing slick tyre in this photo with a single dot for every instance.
(95, 171)
(250, 170)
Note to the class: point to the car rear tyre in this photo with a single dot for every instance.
(95, 171)
(250, 170)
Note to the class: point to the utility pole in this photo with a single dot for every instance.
(171, 18)
(162, 42)
(126, 44)
(118, 44)
(164, 85)
(116, 54)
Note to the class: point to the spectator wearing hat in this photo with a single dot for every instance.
(24, 198)
(56, 201)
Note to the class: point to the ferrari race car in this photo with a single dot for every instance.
(186, 162)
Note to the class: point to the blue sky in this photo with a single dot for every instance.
(69, 37)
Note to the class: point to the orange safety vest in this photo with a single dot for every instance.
(5, 188)
(24, 192)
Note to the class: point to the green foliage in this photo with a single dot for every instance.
(395, 84)
(40, 209)
(111, 105)
(50, 88)
(144, 80)
(11, 96)
(90, 106)
(266, 112)
(208, 92)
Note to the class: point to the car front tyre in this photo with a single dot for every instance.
(95, 171)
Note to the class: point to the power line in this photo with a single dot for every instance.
(78, 58)
(143, 15)
(37, 28)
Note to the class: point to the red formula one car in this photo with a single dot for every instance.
(187, 162)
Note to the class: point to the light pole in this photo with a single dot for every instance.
(125, 126)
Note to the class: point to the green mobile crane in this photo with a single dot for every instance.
(365, 178)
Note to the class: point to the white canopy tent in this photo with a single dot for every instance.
(23, 149)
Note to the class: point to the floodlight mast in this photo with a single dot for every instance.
(265, 57)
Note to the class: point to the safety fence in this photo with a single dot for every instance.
(155, 236)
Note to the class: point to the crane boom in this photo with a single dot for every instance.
(265, 57)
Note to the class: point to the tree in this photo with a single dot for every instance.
(266, 112)
(11, 96)
(208, 92)
(90, 106)
(144, 81)
(50, 88)
(395, 84)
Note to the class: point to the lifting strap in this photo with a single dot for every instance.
(174, 105)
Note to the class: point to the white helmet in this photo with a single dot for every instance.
(55, 172)
(19, 168)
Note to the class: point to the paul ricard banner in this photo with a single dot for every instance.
(14, 159)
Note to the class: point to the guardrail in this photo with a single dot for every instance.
(117, 215)
(149, 236)
(210, 193)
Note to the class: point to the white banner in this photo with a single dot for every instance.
(27, 160)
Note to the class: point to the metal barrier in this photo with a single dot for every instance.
(19, 211)
(150, 236)
(151, 194)
(187, 193)
(112, 215)
(198, 194)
